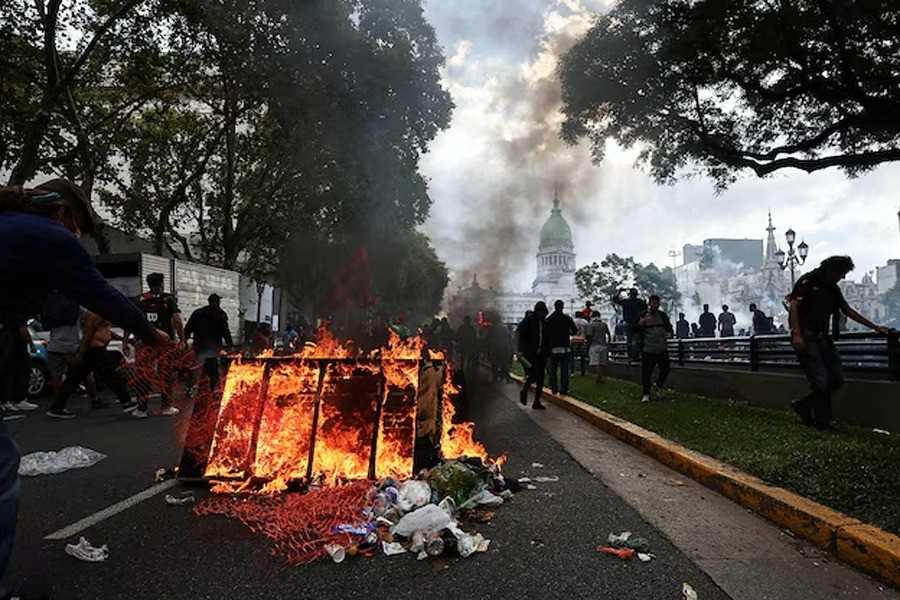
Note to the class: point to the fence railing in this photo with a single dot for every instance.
(860, 352)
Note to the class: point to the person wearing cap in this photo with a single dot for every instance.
(208, 326)
(533, 350)
(161, 309)
(39, 252)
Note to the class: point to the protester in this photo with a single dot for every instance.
(727, 321)
(814, 301)
(707, 322)
(533, 350)
(598, 338)
(632, 308)
(208, 325)
(40, 251)
(559, 328)
(467, 342)
(161, 309)
(586, 312)
(695, 330)
(760, 320)
(64, 320)
(92, 356)
(656, 329)
(682, 327)
(579, 340)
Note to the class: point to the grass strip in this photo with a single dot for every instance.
(852, 470)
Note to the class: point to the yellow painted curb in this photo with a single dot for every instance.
(872, 549)
(864, 546)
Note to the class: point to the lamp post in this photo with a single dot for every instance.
(793, 258)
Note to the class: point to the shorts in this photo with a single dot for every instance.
(60, 363)
(598, 355)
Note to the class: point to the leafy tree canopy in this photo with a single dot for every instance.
(722, 86)
(599, 282)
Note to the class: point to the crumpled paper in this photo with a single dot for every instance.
(84, 551)
(47, 463)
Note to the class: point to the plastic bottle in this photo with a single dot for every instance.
(434, 545)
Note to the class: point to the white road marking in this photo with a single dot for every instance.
(108, 512)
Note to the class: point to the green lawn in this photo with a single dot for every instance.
(852, 470)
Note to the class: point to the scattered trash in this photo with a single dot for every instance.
(422, 555)
(434, 544)
(162, 474)
(483, 498)
(688, 593)
(524, 479)
(675, 482)
(546, 479)
(624, 540)
(537, 465)
(427, 519)
(417, 542)
(531, 487)
(336, 552)
(623, 553)
(455, 479)
(13, 417)
(881, 431)
(392, 548)
(413, 493)
(186, 499)
(84, 551)
(645, 556)
(47, 463)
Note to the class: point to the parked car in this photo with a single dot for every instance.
(39, 373)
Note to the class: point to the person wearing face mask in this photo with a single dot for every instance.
(39, 252)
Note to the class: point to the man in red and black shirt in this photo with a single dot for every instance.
(815, 299)
(161, 309)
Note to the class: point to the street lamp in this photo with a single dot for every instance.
(792, 259)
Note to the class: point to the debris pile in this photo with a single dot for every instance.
(421, 516)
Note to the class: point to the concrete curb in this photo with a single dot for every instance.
(864, 546)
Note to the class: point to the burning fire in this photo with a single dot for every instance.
(330, 414)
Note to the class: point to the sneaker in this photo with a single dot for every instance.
(538, 406)
(645, 398)
(139, 413)
(129, 407)
(7, 406)
(60, 413)
(169, 411)
(523, 397)
(25, 405)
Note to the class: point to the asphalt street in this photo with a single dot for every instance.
(543, 542)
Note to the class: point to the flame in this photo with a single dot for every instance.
(315, 415)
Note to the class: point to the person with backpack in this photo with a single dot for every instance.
(656, 329)
(40, 251)
(161, 309)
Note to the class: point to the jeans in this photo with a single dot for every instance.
(560, 364)
(822, 366)
(633, 342)
(95, 360)
(535, 375)
(648, 363)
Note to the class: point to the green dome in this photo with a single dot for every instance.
(556, 233)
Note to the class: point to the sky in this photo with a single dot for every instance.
(493, 173)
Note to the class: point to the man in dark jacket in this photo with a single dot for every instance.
(39, 252)
(632, 309)
(656, 329)
(707, 322)
(533, 351)
(209, 327)
(560, 327)
(814, 301)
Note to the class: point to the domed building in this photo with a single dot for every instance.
(556, 259)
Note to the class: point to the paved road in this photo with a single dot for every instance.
(543, 542)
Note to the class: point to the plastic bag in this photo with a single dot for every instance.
(427, 519)
(456, 480)
(483, 498)
(84, 551)
(47, 463)
(413, 493)
(392, 548)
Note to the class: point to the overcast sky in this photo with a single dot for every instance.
(492, 173)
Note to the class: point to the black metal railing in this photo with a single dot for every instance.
(861, 353)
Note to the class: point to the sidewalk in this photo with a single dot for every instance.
(747, 556)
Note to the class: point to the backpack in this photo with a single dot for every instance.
(58, 311)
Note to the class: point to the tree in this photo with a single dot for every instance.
(722, 86)
(600, 282)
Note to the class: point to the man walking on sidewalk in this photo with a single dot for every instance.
(598, 338)
(815, 299)
(560, 327)
(534, 347)
(656, 329)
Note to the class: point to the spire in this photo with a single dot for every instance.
(556, 196)
(771, 246)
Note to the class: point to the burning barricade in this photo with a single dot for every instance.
(331, 452)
